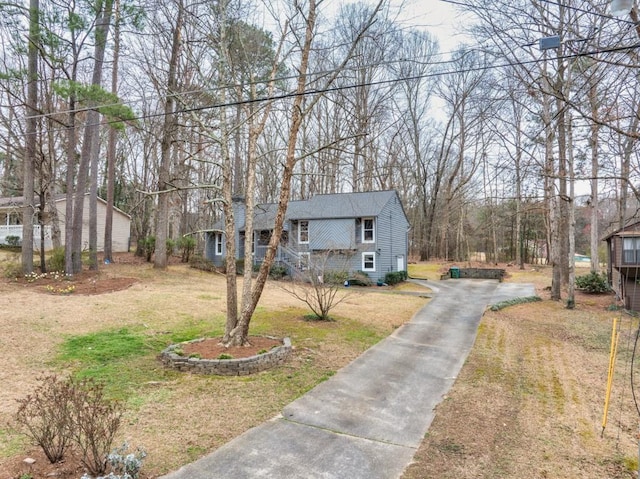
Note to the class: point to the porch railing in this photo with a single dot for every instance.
(16, 230)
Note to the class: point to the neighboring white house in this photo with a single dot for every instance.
(11, 224)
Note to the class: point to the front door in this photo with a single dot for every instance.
(400, 260)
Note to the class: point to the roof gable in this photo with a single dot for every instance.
(14, 202)
(341, 205)
(324, 207)
(631, 229)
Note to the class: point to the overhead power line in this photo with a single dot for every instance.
(552, 2)
(317, 91)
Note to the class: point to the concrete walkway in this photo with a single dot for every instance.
(368, 420)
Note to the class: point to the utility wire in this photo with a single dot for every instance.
(309, 92)
(590, 12)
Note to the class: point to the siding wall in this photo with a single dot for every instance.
(332, 234)
(624, 278)
(344, 237)
(239, 214)
(390, 241)
(391, 237)
(210, 248)
(121, 230)
(631, 291)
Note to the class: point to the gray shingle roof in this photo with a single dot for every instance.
(329, 206)
(340, 205)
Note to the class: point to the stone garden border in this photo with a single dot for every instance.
(226, 367)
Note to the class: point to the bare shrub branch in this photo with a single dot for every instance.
(45, 416)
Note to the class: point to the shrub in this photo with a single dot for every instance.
(171, 245)
(95, 422)
(336, 277)
(56, 260)
(186, 244)
(202, 263)
(147, 247)
(64, 412)
(360, 278)
(513, 302)
(13, 241)
(46, 417)
(123, 465)
(593, 283)
(395, 277)
(277, 271)
(12, 270)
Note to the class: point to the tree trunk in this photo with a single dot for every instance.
(90, 150)
(571, 221)
(168, 135)
(230, 228)
(240, 333)
(594, 202)
(71, 167)
(111, 147)
(31, 139)
(551, 197)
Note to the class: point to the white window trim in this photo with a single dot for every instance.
(373, 255)
(300, 231)
(373, 224)
(218, 244)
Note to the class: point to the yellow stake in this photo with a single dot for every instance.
(615, 336)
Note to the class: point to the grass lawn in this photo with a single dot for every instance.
(527, 403)
(529, 400)
(116, 337)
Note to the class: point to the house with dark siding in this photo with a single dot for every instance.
(623, 264)
(351, 232)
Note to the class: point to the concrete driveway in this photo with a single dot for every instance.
(368, 420)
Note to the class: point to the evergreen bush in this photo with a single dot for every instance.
(56, 260)
(395, 277)
(277, 271)
(13, 241)
(593, 282)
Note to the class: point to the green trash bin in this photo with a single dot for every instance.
(454, 272)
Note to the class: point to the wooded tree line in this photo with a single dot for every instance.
(157, 106)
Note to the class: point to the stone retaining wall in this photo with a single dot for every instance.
(227, 367)
(478, 273)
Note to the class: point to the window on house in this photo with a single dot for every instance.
(368, 261)
(264, 237)
(218, 244)
(303, 232)
(631, 250)
(368, 230)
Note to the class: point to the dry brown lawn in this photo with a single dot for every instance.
(177, 417)
(529, 401)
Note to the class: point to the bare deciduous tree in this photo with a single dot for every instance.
(320, 285)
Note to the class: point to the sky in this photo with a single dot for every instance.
(436, 16)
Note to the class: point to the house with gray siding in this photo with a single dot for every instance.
(623, 264)
(365, 232)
